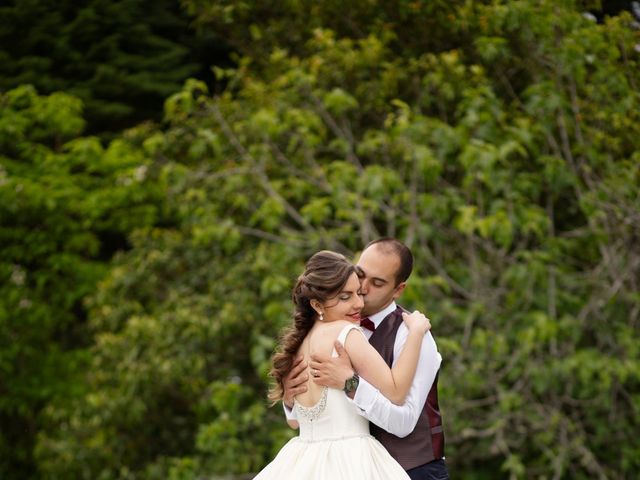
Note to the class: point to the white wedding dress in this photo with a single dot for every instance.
(334, 443)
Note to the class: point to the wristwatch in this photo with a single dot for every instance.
(351, 384)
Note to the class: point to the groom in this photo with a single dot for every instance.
(412, 433)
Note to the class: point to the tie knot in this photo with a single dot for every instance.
(368, 324)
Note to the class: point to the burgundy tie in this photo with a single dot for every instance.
(368, 324)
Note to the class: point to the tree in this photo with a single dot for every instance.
(508, 162)
(66, 203)
(122, 58)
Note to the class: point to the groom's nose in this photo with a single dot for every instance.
(364, 286)
(359, 301)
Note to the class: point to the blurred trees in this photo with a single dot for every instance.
(66, 203)
(501, 143)
(122, 58)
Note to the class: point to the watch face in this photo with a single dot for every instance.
(351, 384)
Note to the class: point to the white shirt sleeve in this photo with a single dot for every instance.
(400, 420)
(290, 413)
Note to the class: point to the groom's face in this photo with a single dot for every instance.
(377, 271)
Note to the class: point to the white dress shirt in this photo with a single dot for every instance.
(399, 420)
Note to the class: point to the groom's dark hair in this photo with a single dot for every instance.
(393, 245)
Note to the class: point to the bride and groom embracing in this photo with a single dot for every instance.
(350, 357)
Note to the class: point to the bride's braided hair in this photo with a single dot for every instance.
(325, 274)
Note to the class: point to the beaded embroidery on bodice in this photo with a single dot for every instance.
(312, 413)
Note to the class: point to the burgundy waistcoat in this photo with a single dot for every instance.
(426, 442)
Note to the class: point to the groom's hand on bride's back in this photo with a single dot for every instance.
(295, 382)
(331, 371)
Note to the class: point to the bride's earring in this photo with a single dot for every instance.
(317, 307)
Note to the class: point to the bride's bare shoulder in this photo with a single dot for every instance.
(340, 324)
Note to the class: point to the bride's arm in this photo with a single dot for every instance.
(393, 383)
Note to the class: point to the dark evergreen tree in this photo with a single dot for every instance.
(122, 58)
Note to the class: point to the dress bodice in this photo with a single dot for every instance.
(338, 419)
(334, 416)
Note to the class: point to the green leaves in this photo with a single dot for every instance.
(501, 143)
(63, 204)
(121, 60)
(338, 102)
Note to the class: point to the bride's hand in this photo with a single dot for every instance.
(416, 321)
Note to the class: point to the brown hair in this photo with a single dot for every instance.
(393, 245)
(325, 274)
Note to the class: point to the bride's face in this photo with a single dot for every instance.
(347, 304)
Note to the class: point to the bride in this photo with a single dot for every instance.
(334, 441)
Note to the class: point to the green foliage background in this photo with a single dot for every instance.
(145, 280)
(121, 57)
